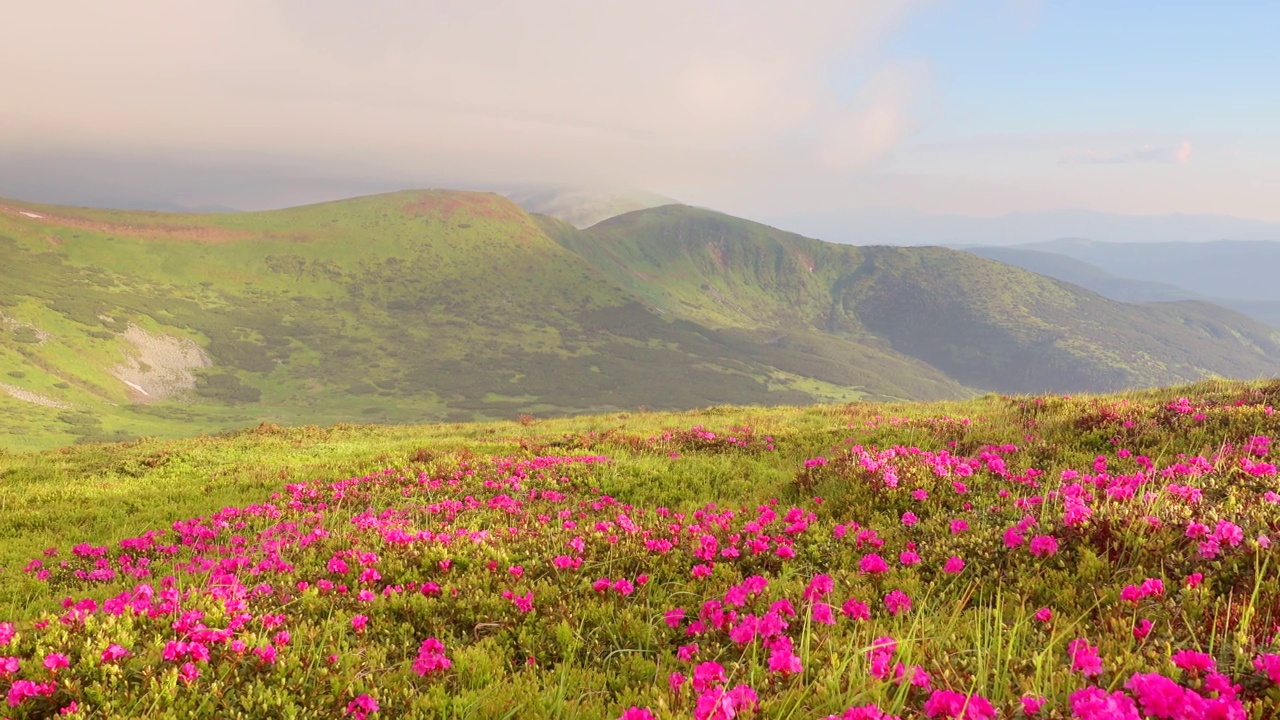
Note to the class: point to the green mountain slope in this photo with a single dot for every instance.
(1090, 277)
(983, 323)
(440, 305)
(401, 307)
(1243, 269)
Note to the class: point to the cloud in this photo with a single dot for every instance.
(661, 93)
(1179, 154)
(855, 137)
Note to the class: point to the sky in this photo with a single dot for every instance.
(968, 107)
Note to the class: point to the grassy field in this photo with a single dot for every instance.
(1093, 557)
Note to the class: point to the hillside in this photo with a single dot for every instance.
(1021, 557)
(441, 305)
(1090, 277)
(1239, 269)
(986, 324)
(1078, 272)
(410, 306)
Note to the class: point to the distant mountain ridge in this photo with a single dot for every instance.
(900, 227)
(1233, 274)
(454, 305)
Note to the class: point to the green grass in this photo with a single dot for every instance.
(596, 654)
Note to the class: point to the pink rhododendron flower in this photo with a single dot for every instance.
(1192, 661)
(855, 609)
(897, 602)
(637, 713)
(953, 565)
(114, 652)
(1094, 703)
(1084, 658)
(958, 706)
(872, 563)
(1044, 546)
(431, 658)
(361, 707)
(782, 658)
(707, 675)
(1270, 665)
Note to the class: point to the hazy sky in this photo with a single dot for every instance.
(757, 108)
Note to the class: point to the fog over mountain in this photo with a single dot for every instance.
(904, 227)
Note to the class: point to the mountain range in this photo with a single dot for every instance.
(1231, 273)
(908, 227)
(447, 305)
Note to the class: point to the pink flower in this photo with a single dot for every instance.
(1094, 703)
(523, 603)
(1192, 661)
(873, 563)
(1031, 705)
(56, 661)
(953, 565)
(707, 675)
(819, 587)
(114, 652)
(6, 633)
(188, 673)
(1084, 658)
(1269, 664)
(362, 706)
(674, 617)
(9, 666)
(958, 706)
(1044, 546)
(897, 602)
(431, 658)
(782, 658)
(675, 681)
(266, 653)
(637, 713)
(855, 609)
(958, 526)
(1142, 629)
(823, 614)
(909, 519)
(359, 622)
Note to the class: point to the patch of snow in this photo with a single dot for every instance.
(136, 386)
(31, 214)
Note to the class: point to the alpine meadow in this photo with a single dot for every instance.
(484, 360)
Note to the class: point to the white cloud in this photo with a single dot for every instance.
(1179, 154)
(649, 93)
